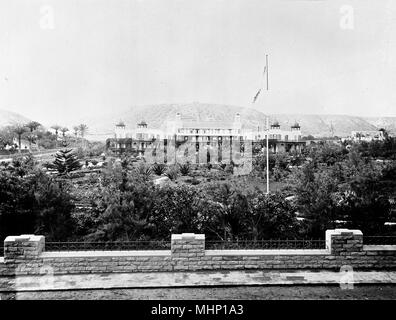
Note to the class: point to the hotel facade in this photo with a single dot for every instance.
(205, 135)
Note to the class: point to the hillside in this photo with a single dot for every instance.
(156, 115)
(388, 123)
(101, 126)
(9, 118)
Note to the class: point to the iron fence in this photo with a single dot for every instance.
(209, 245)
(379, 240)
(267, 244)
(112, 246)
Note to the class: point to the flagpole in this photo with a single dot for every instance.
(267, 155)
(267, 131)
(266, 68)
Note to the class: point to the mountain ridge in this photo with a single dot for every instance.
(101, 126)
(11, 118)
(311, 124)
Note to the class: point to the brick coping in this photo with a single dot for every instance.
(83, 254)
(162, 253)
(260, 252)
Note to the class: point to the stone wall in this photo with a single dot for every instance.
(26, 255)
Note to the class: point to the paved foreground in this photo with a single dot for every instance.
(191, 279)
(359, 292)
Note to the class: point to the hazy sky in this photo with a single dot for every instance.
(65, 59)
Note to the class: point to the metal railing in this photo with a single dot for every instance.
(209, 245)
(379, 240)
(112, 246)
(266, 244)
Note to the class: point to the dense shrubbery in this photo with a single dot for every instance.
(90, 149)
(344, 189)
(135, 209)
(33, 202)
(172, 172)
(332, 186)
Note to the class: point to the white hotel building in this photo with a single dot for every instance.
(203, 133)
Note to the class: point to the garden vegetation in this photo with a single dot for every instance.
(327, 186)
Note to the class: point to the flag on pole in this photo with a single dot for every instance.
(265, 70)
(265, 76)
(256, 96)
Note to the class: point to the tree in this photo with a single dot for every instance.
(176, 210)
(19, 130)
(271, 217)
(83, 128)
(31, 138)
(64, 130)
(233, 208)
(32, 202)
(76, 130)
(123, 206)
(6, 137)
(308, 137)
(56, 128)
(16, 202)
(66, 162)
(32, 125)
(53, 208)
(314, 188)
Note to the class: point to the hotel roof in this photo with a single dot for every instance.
(210, 124)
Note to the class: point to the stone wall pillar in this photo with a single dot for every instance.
(342, 242)
(187, 249)
(22, 248)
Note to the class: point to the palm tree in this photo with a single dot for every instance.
(32, 125)
(56, 128)
(31, 137)
(64, 130)
(83, 130)
(19, 130)
(76, 130)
